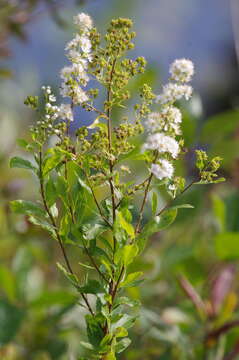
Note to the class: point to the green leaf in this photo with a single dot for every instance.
(8, 282)
(92, 287)
(124, 300)
(227, 245)
(121, 332)
(10, 320)
(131, 279)
(183, 206)
(125, 225)
(43, 224)
(92, 231)
(94, 329)
(86, 266)
(122, 345)
(155, 225)
(98, 124)
(125, 320)
(18, 162)
(83, 184)
(154, 203)
(51, 192)
(110, 356)
(219, 210)
(126, 254)
(26, 207)
(220, 126)
(87, 345)
(24, 144)
(50, 298)
(51, 162)
(71, 277)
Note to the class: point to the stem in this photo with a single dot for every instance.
(55, 228)
(117, 284)
(96, 201)
(109, 123)
(181, 193)
(137, 228)
(90, 107)
(128, 192)
(93, 262)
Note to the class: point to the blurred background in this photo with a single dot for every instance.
(191, 270)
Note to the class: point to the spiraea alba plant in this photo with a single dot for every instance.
(90, 199)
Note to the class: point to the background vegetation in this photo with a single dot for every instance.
(37, 317)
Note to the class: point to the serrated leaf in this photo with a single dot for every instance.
(125, 225)
(18, 162)
(92, 287)
(126, 254)
(125, 320)
(123, 300)
(131, 279)
(155, 225)
(122, 345)
(43, 224)
(51, 163)
(94, 329)
(27, 208)
(71, 277)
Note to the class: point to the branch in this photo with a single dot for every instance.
(96, 201)
(137, 228)
(56, 230)
(92, 108)
(170, 202)
(110, 144)
(93, 262)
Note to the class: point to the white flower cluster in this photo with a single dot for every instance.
(79, 53)
(162, 170)
(164, 126)
(163, 144)
(167, 120)
(173, 92)
(65, 112)
(182, 70)
(83, 21)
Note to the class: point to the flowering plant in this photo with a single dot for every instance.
(89, 193)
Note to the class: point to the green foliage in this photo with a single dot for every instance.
(10, 318)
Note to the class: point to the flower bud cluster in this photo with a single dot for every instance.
(164, 126)
(208, 167)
